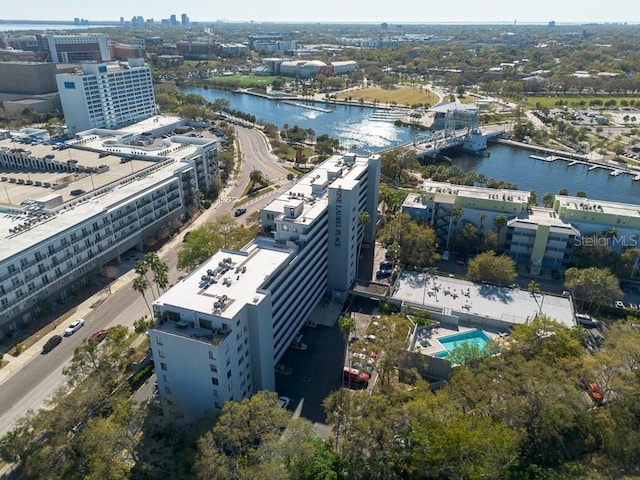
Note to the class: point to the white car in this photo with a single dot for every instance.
(619, 304)
(74, 327)
(283, 402)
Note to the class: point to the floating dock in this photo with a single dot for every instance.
(615, 173)
(550, 158)
(306, 105)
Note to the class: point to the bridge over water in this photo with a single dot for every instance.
(432, 144)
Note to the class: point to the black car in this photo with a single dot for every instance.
(383, 273)
(52, 343)
(386, 265)
(240, 211)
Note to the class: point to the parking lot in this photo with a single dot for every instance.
(316, 373)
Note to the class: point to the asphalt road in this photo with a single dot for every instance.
(30, 387)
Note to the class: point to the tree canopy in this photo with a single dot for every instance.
(205, 241)
(492, 268)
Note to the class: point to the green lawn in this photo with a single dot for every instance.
(400, 94)
(574, 100)
(244, 81)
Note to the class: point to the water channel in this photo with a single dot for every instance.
(354, 127)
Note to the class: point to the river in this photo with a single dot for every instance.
(353, 126)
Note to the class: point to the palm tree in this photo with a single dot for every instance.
(159, 269)
(364, 219)
(499, 222)
(534, 289)
(456, 213)
(140, 284)
(141, 267)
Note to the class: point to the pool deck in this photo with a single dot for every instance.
(432, 336)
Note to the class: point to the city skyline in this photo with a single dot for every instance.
(466, 11)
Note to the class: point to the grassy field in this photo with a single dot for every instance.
(244, 81)
(574, 101)
(402, 95)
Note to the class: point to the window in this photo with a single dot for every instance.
(218, 406)
(69, 85)
(161, 353)
(165, 378)
(212, 355)
(159, 341)
(215, 393)
(214, 368)
(163, 366)
(214, 380)
(228, 373)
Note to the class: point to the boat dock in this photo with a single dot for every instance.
(615, 173)
(306, 105)
(550, 158)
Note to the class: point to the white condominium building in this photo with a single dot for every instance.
(221, 330)
(106, 95)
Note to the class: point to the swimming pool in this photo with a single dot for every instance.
(475, 338)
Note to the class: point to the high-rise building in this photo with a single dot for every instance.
(84, 47)
(185, 20)
(221, 331)
(106, 95)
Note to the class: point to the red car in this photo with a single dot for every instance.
(355, 376)
(98, 336)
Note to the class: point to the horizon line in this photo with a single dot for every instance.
(514, 22)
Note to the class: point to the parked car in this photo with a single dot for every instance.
(386, 265)
(383, 273)
(98, 336)
(365, 367)
(619, 304)
(586, 320)
(240, 211)
(74, 327)
(353, 375)
(52, 343)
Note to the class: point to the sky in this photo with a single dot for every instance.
(398, 11)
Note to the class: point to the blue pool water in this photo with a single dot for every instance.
(472, 337)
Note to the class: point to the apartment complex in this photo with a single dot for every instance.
(618, 221)
(106, 95)
(542, 238)
(446, 207)
(65, 214)
(220, 331)
(84, 47)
